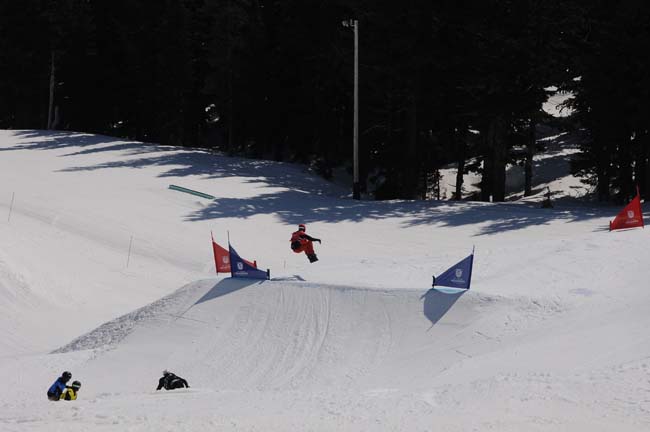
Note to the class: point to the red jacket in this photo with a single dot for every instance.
(302, 237)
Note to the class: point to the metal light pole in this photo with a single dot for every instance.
(356, 189)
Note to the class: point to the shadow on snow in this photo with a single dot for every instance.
(300, 195)
(225, 287)
(438, 303)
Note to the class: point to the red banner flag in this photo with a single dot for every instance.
(222, 258)
(630, 217)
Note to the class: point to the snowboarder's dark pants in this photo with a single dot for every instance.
(176, 385)
(305, 246)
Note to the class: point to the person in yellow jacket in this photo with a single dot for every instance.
(70, 393)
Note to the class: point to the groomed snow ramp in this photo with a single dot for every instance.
(244, 334)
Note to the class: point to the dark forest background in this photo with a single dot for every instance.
(440, 82)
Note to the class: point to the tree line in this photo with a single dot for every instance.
(440, 82)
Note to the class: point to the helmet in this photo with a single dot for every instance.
(166, 372)
(76, 385)
(66, 375)
(302, 227)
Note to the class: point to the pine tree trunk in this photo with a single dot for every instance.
(459, 144)
(602, 175)
(231, 114)
(643, 164)
(231, 120)
(646, 192)
(500, 169)
(625, 158)
(57, 118)
(494, 172)
(50, 110)
(459, 179)
(530, 153)
(488, 163)
(412, 163)
(602, 187)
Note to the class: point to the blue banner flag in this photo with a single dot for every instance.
(240, 268)
(457, 276)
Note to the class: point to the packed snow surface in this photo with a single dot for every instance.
(108, 273)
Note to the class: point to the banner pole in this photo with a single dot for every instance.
(232, 269)
(216, 265)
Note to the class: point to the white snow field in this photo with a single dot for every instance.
(553, 335)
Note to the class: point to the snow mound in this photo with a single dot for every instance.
(242, 334)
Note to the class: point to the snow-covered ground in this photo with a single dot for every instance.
(553, 335)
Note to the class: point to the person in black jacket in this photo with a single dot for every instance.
(302, 242)
(170, 381)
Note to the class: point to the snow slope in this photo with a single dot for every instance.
(552, 336)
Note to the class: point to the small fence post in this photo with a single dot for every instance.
(128, 258)
(11, 206)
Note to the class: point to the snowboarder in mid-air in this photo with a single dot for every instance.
(59, 386)
(301, 242)
(170, 381)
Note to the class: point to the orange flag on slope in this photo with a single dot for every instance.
(630, 217)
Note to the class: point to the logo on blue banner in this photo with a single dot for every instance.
(241, 269)
(457, 276)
